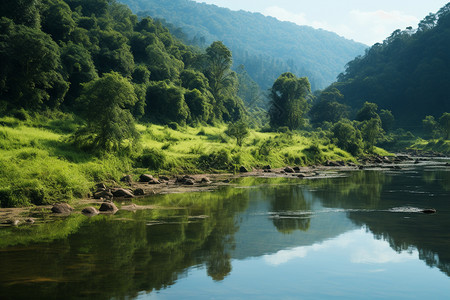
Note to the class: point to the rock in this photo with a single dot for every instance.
(164, 178)
(330, 163)
(184, 179)
(105, 194)
(154, 181)
(243, 169)
(205, 180)
(90, 211)
(122, 193)
(138, 192)
(62, 208)
(267, 167)
(296, 169)
(100, 186)
(145, 178)
(14, 222)
(30, 220)
(429, 211)
(416, 161)
(288, 170)
(127, 179)
(189, 182)
(302, 175)
(108, 207)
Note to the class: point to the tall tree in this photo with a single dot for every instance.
(107, 102)
(288, 101)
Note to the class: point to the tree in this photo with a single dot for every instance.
(371, 131)
(238, 130)
(30, 69)
(367, 112)
(444, 122)
(430, 127)
(387, 119)
(107, 102)
(219, 61)
(288, 101)
(347, 137)
(328, 108)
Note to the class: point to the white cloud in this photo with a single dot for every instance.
(367, 27)
(359, 246)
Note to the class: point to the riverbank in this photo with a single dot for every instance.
(132, 191)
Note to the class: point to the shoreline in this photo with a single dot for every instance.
(206, 183)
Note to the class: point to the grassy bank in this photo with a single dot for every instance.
(39, 166)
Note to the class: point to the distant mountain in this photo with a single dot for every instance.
(266, 46)
(409, 73)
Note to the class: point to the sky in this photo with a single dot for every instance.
(363, 21)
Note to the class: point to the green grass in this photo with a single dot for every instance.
(441, 146)
(38, 165)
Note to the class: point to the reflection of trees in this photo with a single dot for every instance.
(290, 209)
(359, 190)
(441, 178)
(119, 256)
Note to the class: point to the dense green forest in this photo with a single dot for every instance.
(266, 46)
(51, 49)
(408, 74)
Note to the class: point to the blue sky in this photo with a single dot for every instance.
(367, 22)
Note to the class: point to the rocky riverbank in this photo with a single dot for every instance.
(103, 198)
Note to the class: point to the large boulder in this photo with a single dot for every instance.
(62, 208)
(289, 170)
(103, 194)
(154, 181)
(90, 211)
(145, 178)
(108, 207)
(128, 179)
(122, 193)
(205, 180)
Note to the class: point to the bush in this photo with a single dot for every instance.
(217, 160)
(173, 125)
(153, 159)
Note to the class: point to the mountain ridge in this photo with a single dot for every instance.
(265, 45)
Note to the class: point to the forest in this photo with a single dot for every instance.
(266, 46)
(90, 92)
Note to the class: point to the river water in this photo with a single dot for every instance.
(356, 236)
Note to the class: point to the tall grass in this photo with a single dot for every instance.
(39, 166)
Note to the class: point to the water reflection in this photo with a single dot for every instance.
(277, 221)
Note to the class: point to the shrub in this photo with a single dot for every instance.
(152, 159)
(217, 160)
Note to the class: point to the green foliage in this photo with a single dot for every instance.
(387, 119)
(372, 132)
(328, 108)
(347, 137)
(238, 130)
(152, 159)
(367, 112)
(166, 103)
(266, 46)
(444, 122)
(288, 101)
(30, 72)
(406, 74)
(217, 160)
(106, 108)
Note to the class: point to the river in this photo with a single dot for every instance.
(358, 235)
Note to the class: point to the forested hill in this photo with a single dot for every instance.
(409, 73)
(266, 46)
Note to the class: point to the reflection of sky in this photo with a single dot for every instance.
(353, 265)
(358, 247)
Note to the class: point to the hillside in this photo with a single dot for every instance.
(266, 46)
(409, 73)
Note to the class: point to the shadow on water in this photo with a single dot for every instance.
(119, 256)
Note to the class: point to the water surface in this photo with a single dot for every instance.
(352, 237)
